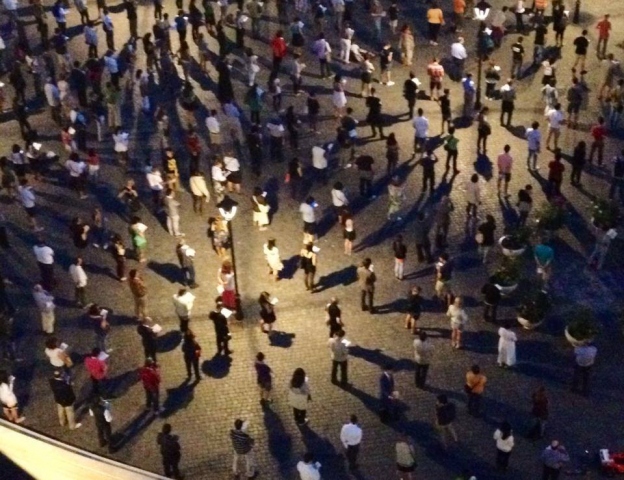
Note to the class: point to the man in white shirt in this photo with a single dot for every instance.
(214, 129)
(459, 55)
(156, 184)
(351, 437)
(183, 305)
(555, 120)
(27, 199)
(45, 261)
(421, 132)
(79, 277)
(309, 469)
(109, 29)
(319, 162)
(309, 219)
(53, 97)
(534, 141)
(46, 306)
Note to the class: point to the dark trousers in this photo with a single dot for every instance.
(192, 362)
(189, 275)
(366, 185)
(99, 388)
(474, 404)
(300, 416)
(92, 50)
(170, 466)
(343, 372)
(149, 349)
(80, 295)
(420, 375)
(277, 63)
(575, 178)
(502, 460)
(222, 344)
(550, 473)
(581, 378)
(366, 300)
(451, 155)
(352, 454)
(110, 39)
(489, 312)
(410, 107)
(276, 148)
(104, 432)
(377, 126)
(184, 323)
(506, 109)
(423, 250)
(325, 72)
(47, 275)
(152, 399)
(430, 179)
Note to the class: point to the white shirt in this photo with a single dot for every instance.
(198, 186)
(155, 180)
(503, 445)
(107, 22)
(351, 434)
(212, 124)
(55, 356)
(8, 398)
(318, 158)
(534, 138)
(421, 125)
(121, 141)
(75, 168)
(308, 471)
(459, 51)
(183, 304)
(26, 196)
(307, 213)
(78, 275)
(218, 175)
(555, 117)
(44, 254)
(339, 199)
(231, 164)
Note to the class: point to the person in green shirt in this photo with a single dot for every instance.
(450, 145)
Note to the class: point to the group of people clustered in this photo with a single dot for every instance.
(85, 98)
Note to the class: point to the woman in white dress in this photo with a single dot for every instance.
(272, 255)
(506, 348)
(458, 318)
(260, 209)
(339, 99)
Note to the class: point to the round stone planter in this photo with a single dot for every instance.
(510, 252)
(529, 325)
(573, 341)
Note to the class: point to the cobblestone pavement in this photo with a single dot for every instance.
(202, 414)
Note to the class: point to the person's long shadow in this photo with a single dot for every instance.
(344, 277)
(281, 339)
(484, 167)
(325, 453)
(372, 355)
(169, 341)
(168, 271)
(279, 440)
(217, 367)
(290, 267)
(390, 307)
(510, 216)
(272, 187)
(119, 385)
(178, 398)
(129, 432)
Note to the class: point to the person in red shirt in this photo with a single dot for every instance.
(555, 175)
(436, 74)
(604, 30)
(150, 377)
(194, 148)
(278, 46)
(598, 132)
(98, 371)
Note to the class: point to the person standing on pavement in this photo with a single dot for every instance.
(598, 133)
(351, 437)
(309, 469)
(150, 378)
(469, 88)
(491, 298)
(555, 120)
(366, 281)
(339, 348)
(504, 445)
(459, 56)
(171, 206)
(442, 221)
(366, 173)
(555, 175)
(170, 451)
(422, 228)
(299, 396)
(581, 45)
(96, 366)
(148, 339)
(191, 351)
(508, 98)
(414, 309)
(243, 444)
(604, 31)
(400, 254)
(109, 29)
(45, 260)
(553, 458)
(474, 387)
(222, 331)
(100, 410)
(183, 305)
(485, 236)
(539, 411)
(458, 318)
(79, 277)
(410, 93)
(421, 132)
(64, 398)
(308, 263)
(405, 456)
(387, 394)
(517, 58)
(444, 277)
(423, 354)
(186, 256)
(450, 145)
(139, 294)
(375, 117)
(504, 163)
(584, 359)
(534, 141)
(264, 378)
(506, 348)
(445, 415)
(45, 303)
(428, 161)
(98, 318)
(578, 162)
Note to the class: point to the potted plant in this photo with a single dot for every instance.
(582, 328)
(533, 309)
(605, 214)
(514, 244)
(550, 216)
(506, 277)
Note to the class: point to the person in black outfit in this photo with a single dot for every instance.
(491, 299)
(21, 115)
(98, 409)
(421, 234)
(254, 142)
(374, 117)
(171, 452)
(540, 39)
(64, 397)
(131, 13)
(192, 351)
(16, 79)
(578, 162)
(78, 82)
(222, 330)
(428, 163)
(334, 317)
(410, 93)
(364, 165)
(148, 338)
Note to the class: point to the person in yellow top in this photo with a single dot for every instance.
(171, 168)
(435, 18)
(459, 8)
(475, 385)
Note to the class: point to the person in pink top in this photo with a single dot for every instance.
(504, 163)
(98, 371)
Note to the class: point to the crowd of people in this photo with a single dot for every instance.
(155, 70)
